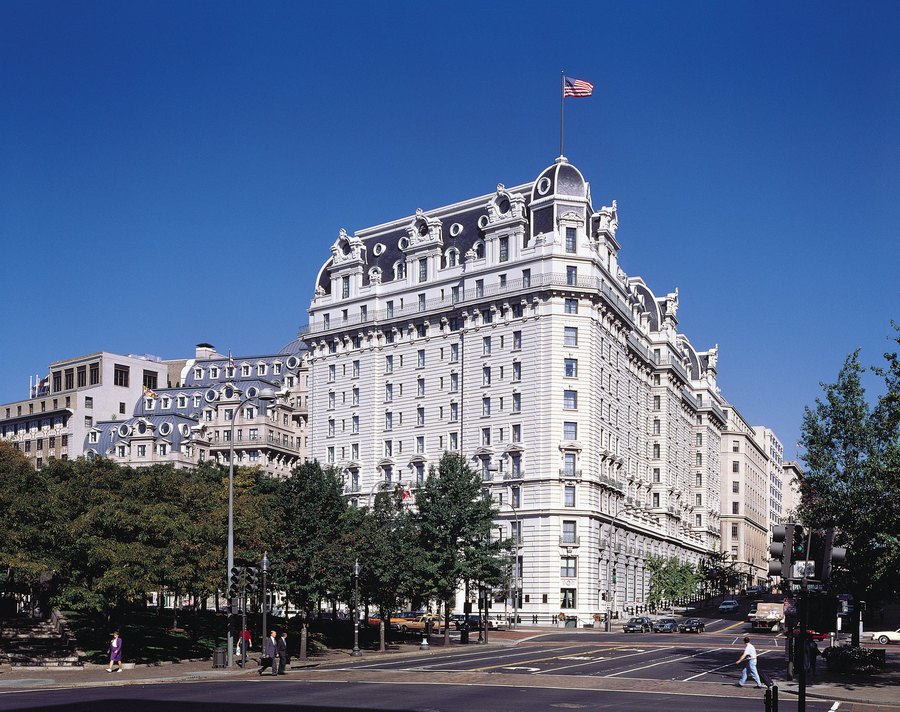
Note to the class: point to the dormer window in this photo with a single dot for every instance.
(400, 270)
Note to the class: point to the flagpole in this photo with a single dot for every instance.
(562, 94)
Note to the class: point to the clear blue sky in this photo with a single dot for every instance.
(175, 172)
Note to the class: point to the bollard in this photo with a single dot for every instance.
(774, 689)
(424, 645)
(768, 699)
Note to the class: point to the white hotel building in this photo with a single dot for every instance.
(502, 327)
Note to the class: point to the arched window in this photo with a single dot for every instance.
(479, 249)
(400, 270)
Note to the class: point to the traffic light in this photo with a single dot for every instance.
(614, 578)
(252, 578)
(234, 582)
(800, 568)
(826, 554)
(780, 551)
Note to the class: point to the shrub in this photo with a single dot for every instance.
(846, 658)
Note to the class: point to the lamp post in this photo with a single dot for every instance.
(266, 395)
(610, 592)
(517, 539)
(356, 651)
(264, 567)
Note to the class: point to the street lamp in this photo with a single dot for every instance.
(356, 651)
(517, 540)
(264, 567)
(610, 593)
(266, 395)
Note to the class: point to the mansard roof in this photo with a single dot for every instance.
(460, 226)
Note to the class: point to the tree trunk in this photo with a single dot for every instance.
(446, 623)
(303, 635)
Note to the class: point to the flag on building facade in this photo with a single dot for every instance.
(150, 393)
(406, 492)
(577, 87)
(230, 360)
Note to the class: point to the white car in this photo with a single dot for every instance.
(887, 636)
(728, 606)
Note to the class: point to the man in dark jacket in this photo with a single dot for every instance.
(282, 653)
(269, 654)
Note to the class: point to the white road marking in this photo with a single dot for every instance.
(721, 667)
(661, 662)
(834, 707)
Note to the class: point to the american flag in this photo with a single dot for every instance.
(577, 87)
(150, 393)
(230, 361)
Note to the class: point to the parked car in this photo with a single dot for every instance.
(665, 625)
(691, 625)
(887, 636)
(754, 591)
(474, 621)
(430, 621)
(641, 624)
(752, 614)
(728, 606)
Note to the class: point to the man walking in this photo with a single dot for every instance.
(750, 656)
(282, 653)
(269, 654)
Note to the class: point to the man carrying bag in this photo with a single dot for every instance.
(269, 654)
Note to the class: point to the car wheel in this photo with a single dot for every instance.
(884, 640)
(403, 629)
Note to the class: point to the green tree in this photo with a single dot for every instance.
(306, 524)
(670, 579)
(455, 520)
(851, 456)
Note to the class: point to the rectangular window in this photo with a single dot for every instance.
(94, 374)
(571, 306)
(735, 466)
(570, 367)
(420, 444)
(735, 446)
(656, 499)
(70, 378)
(699, 439)
(570, 431)
(655, 451)
(485, 375)
(486, 346)
(516, 371)
(388, 448)
(420, 415)
(420, 358)
(88, 402)
(120, 375)
(698, 499)
(656, 426)
(698, 480)
(388, 420)
(734, 531)
(516, 402)
(479, 287)
(389, 309)
(571, 276)
(504, 249)
(517, 340)
(735, 508)
(569, 464)
(517, 433)
(454, 412)
(567, 567)
(81, 378)
(355, 371)
(656, 403)
(331, 373)
(388, 364)
(422, 302)
(485, 436)
(569, 496)
(345, 286)
(423, 270)
(569, 532)
(526, 278)
(570, 240)
(388, 392)
(736, 487)
(454, 441)
(485, 406)
(656, 474)
(570, 336)
(570, 400)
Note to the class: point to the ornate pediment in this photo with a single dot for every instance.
(504, 208)
(347, 249)
(423, 231)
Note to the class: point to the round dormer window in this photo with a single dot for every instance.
(142, 427)
(211, 395)
(455, 229)
(503, 205)
(423, 229)
(403, 243)
(378, 249)
(543, 186)
(124, 430)
(229, 392)
(165, 429)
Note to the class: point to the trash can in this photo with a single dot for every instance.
(571, 622)
(220, 658)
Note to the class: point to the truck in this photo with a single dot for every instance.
(768, 617)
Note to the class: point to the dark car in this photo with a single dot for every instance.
(692, 625)
(638, 625)
(665, 625)
(474, 620)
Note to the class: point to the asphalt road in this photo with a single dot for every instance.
(339, 696)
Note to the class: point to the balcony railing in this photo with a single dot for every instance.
(570, 540)
(468, 296)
